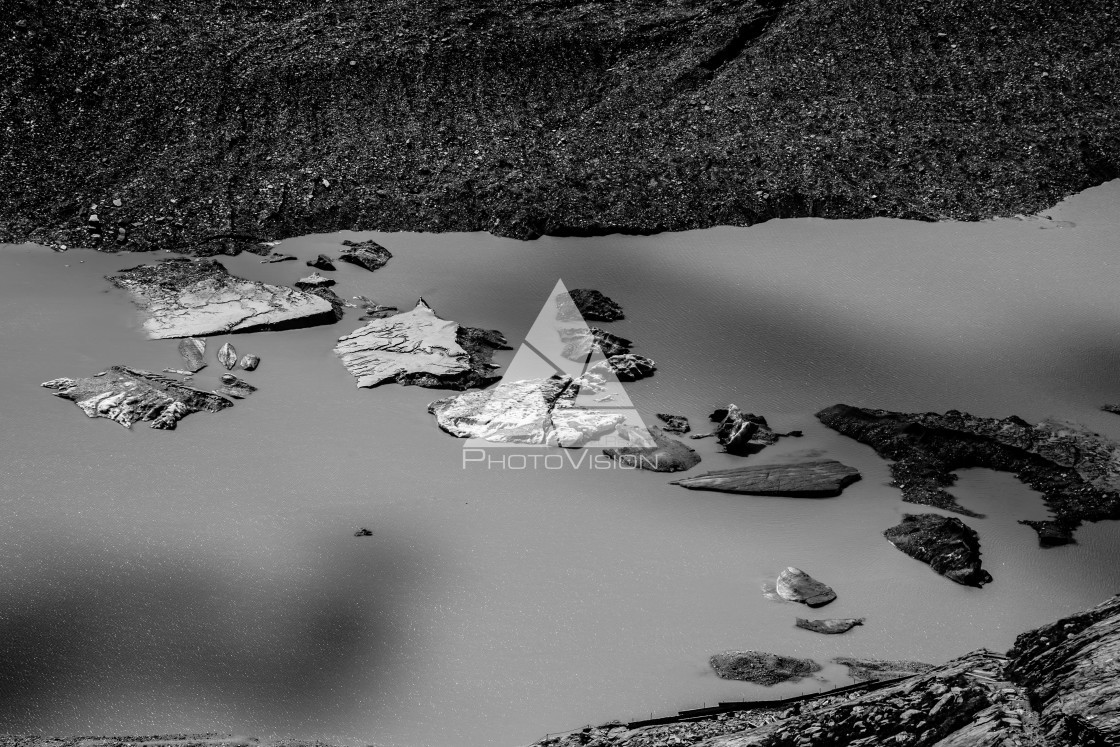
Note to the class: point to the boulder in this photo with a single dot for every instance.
(235, 387)
(830, 627)
(250, 361)
(227, 356)
(795, 585)
(669, 454)
(127, 395)
(742, 433)
(946, 544)
(588, 305)
(627, 367)
(419, 348)
(674, 423)
(187, 298)
(193, 351)
(322, 262)
(815, 479)
(367, 254)
(313, 281)
(580, 342)
(761, 668)
(1077, 471)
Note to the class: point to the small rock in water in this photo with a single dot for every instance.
(322, 262)
(227, 356)
(313, 281)
(627, 367)
(374, 310)
(250, 361)
(822, 478)
(742, 433)
(674, 423)
(367, 254)
(587, 304)
(864, 670)
(277, 257)
(363, 532)
(795, 585)
(830, 627)
(946, 544)
(193, 351)
(235, 387)
(581, 341)
(761, 668)
(669, 455)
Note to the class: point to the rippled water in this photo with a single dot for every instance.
(207, 579)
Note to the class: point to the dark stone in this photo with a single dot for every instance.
(363, 532)
(193, 351)
(742, 433)
(322, 262)
(628, 367)
(338, 305)
(670, 455)
(761, 668)
(579, 343)
(313, 281)
(795, 585)
(674, 423)
(816, 479)
(235, 387)
(278, 257)
(367, 254)
(946, 544)
(1077, 472)
(588, 305)
(830, 627)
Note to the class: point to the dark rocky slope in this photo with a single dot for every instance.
(217, 124)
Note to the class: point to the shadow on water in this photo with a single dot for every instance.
(130, 633)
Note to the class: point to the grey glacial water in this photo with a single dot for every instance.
(208, 579)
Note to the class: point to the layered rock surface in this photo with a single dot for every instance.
(419, 348)
(186, 298)
(128, 395)
(946, 544)
(814, 479)
(1077, 472)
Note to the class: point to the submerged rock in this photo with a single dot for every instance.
(946, 544)
(588, 305)
(250, 361)
(742, 433)
(367, 254)
(363, 532)
(816, 479)
(865, 670)
(227, 356)
(193, 351)
(185, 298)
(795, 585)
(417, 347)
(1077, 472)
(674, 423)
(580, 342)
(761, 668)
(313, 281)
(830, 627)
(669, 454)
(235, 387)
(322, 262)
(127, 395)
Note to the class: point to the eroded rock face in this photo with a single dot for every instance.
(185, 298)
(795, 585)
(1077, 472)
(417, 347)
(127, 395)
(628, 367)
(1072, 670)
(946, 544)
(669, 454)
(830, 627)
(815, 479)
(367, 254)
(742, 433)
(587, 304)
(761, 668)
(193, 351)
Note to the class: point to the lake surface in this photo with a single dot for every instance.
(208, 579)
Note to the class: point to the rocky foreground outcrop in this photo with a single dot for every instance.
(820, 478)
(188, 298)
(1077, 472)
(946, 544)
(417, 347)
(129, 395)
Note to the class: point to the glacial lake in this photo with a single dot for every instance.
(208, 580)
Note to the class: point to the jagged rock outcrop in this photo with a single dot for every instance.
(742, 433)
(946, 544)
(417, 347)
(626, 367)
(674, 423)
(511, 412)
(669, 455)
(185, 298)
(815, 479)
(128, 395)
(193, 351)
(322, 262)
(579, 343)
(830, 627)
(313, 281)
(367, 254)
(587, 304)
(1077, 472)
(761, 668)
(795, 585)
